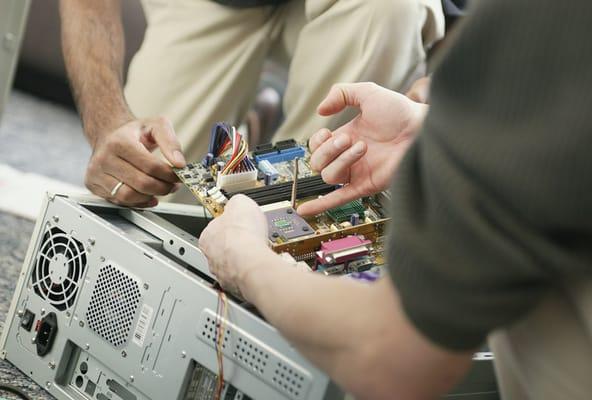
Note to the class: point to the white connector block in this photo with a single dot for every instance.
(237, 181)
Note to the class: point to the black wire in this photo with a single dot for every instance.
(14, 390)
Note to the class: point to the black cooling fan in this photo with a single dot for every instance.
(60, 265)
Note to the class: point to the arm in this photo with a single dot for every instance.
(357, 333)
(363, 340)
(93, 45)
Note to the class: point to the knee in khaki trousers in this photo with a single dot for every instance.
(200, 62)
(548, 355)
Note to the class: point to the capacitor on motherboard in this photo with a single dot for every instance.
(268, 179)
(354, 219)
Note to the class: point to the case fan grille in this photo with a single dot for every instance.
(59, 268)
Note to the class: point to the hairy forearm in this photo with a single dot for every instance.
(93, 46)
(356, 332)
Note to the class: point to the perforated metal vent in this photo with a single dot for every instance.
(256, 358)
(113, 305)
(245, 351)
(60, 265)
(288, 379)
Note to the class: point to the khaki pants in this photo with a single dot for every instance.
(548, 355)
(200, 62)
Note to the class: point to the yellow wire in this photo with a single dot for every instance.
(220, 341)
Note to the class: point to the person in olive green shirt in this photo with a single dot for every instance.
(491, 219)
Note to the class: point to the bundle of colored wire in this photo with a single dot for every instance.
(239, 160)
(225, 138)
(221, 317)
(219, 135)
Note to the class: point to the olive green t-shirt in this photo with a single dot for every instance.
(492, 206)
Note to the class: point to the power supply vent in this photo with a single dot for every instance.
(58, 271)
(113, 305)
(257, 358)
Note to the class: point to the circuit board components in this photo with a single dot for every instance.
(346, 255)
(342, 240)
(285, 224)
(345, 212)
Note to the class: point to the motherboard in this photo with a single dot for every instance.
(347, 240)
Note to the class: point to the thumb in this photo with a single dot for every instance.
(343, 95)
(161, 130)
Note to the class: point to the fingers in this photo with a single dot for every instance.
(124, 144)
(125, 196)
(136, 179)
(328, 151)
(331, 200)
(318, 139)
(241, 202)
(338, 170)
(161, 130)
(206, 238)
(343, 95)
(137, 155)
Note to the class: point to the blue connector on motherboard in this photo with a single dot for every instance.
(284, 155)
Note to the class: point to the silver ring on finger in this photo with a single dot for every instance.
(116, 188)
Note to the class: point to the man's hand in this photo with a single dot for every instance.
(364, 153)
(92, 41)
(234, 239)
(125, 155)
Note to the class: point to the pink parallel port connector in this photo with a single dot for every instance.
(343, 250)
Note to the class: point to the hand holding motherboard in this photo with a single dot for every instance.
(238, 233)
(364, 153)
(123, 168)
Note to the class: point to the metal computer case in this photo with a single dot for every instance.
(132, 299)
(115, 303)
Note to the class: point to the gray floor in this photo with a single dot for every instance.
(40, 137)
(14, 238)
(35, 136)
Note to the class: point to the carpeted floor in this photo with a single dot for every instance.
(44, 138)
(14, 239)
(35, 136)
